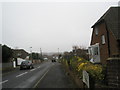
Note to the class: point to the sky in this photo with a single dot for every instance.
(49, 24)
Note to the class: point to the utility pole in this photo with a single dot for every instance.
(58, 51)
(31, 53)
(41, 52)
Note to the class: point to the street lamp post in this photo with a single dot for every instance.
(31, 53)
(41, 52)
(58, 51)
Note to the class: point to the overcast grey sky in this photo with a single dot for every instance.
(49, 25)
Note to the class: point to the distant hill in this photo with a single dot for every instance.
(50, 53)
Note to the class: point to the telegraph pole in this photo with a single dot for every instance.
(31, 53)
(41, 52)
(58, 51)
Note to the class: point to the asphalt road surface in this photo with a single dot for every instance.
(55, 78)
(44, 75)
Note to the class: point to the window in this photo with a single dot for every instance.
(95, 50)
(103, 39)
(96, 30)
(89, 51)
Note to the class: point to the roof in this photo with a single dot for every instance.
(112, 20)
(20, 50)
(22, 53)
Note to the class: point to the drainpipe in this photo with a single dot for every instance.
(108, 39)
(118, 45)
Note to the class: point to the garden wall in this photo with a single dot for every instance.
(113, 72)
(7, 66)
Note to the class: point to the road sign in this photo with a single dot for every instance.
(86, 78)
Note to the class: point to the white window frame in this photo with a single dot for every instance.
(96, 31)
(94, 53)
(103, 39)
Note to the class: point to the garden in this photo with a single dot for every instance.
(77, 64)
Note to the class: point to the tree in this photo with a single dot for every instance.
(35, 56)
(7, 53)
(59, 56)
(80, 51)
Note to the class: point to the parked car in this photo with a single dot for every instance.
(53, 60)
(26, 65)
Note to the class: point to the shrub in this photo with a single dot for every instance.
(79, 64)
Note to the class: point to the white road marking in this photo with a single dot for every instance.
(41, 79)
(4, 81)
(32, 69)
(21, 74)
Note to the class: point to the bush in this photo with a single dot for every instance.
(79, 64)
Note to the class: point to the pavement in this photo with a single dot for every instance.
(44, 75)
(56, 77)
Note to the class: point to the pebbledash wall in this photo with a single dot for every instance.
(113, 72)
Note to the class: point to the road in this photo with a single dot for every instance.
(44, 75)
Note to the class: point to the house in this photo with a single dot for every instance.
(0, 53)
(105, 40)
(20, 53)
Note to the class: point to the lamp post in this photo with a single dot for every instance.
(58, 51)
(31, 53)
(41, 52)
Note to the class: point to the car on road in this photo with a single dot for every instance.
(53, 60)
(26, 65)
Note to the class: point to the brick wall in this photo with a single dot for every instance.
(113, 72)
(97, 39)
(114, 48)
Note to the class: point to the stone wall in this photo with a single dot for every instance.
(113, 72)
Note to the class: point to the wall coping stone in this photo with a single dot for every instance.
(115, 58)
